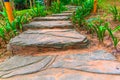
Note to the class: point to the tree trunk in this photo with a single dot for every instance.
(2, 3)
(12, 4)
(34, 3)
(49, 3)
(95, 7)
(30, 3)
(58, 1)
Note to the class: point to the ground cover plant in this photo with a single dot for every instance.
(114, 11)
(82, 11)
(58, 7)
(38, 11)
(98, 26)
(77, 2)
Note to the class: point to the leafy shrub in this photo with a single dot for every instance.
(10, 29)
(65, 1)
(114, 11)
(38, 11)
(20, 4)
(77, 2)
(82, 11)
(99, 27)
(114, 39)
(116, 29)
(58, 7)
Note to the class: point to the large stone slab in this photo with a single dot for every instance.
(20, 65)
(97, 62)
(71, 7)
(65, 74)
(71, 11)
(35, 41)
(97, 65)
(19, 61)
(62, 14)
(51, 18)
(48, 25)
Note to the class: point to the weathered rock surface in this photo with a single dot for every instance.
(62, 14)
(24, 65)
(51, 18)
(65, 74)
(15, 62)
(71, 11)
(35, 41)
(96, 62)
(98, 65)
(71, 8)
(48, 25)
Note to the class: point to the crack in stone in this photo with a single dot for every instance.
(42, 68)
(24, 65)
(50, 63)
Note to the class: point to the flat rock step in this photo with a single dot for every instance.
(97, 65)
(65, 74)
(35, 41)
(48, 25)
(71, 7)
(71, 11)
(62, 14)
(51, 18)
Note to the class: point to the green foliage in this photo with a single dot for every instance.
(10, 29)
(96, 25)
(82, 11)
(20, 4)
(99, 27)
(65, 1)
(114, 39)
(114, 11)
(78, 17)
(19, 1)
(58, 7)
(116, 29)
(77, 2)
(38, 11)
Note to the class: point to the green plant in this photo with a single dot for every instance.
(77, 2)
(20, 4)
(2, 34)
(10, 29)
(58, 7)
(78, 16)
(96, 25)
(82, 11)
(65, 1)
(114, 11)
(116, 29)
(38, 11)
(114, 39)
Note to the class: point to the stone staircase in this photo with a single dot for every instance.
(56, 33)
(49, 33)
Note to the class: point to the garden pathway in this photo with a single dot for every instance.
(56, 33)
